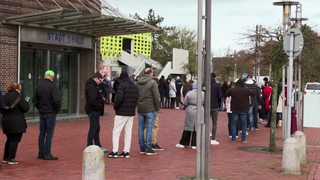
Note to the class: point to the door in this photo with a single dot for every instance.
(34, 62)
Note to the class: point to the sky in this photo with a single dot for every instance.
(230, 18)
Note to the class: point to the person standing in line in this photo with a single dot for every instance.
(47, 100)
(267, 95)
(107, 89)
(167, 96)
(125, 108)
(178, 92)
(239, 107)
(172, 93)
(148, 106)
(162, 90)
(216, 94)
(154, 144)
(94, 108)
(254, 102)
(14, 122)
(189, 130)
(224, 88)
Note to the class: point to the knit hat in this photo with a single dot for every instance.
(49, 73)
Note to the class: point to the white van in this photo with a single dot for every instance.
(312, 88)
(311, 105)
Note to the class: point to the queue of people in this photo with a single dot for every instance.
(147, 95)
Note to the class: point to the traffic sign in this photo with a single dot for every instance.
(297, 42)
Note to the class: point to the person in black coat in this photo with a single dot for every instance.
(162, 90)
(47, 99)
(94, 108)
(14, 123)
(125, 109)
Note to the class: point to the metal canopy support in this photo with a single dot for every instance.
(81, 22)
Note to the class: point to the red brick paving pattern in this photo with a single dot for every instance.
(226, 160)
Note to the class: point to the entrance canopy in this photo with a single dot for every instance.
(81, 22)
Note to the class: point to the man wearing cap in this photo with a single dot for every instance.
(94, 108)
(47, 100)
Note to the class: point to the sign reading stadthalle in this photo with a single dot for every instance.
(297, 42)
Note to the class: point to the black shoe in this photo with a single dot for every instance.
(50, 157)
(156, 147)
(124, 154)
(40, 156)
(142, 151)
(150, 152)
(113, 155)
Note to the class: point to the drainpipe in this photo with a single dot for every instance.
(95, 56)
(19, 57)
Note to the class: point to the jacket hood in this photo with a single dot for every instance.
(143, 79)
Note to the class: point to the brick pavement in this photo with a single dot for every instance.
(227, 160)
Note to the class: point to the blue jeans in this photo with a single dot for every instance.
(146, 121)
(250, 116)
(94, 129)
(47, 125)
(235, 118)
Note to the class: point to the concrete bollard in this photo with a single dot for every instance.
(290, 158)
(93, 163)
(301, 138)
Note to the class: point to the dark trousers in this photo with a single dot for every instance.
(178, 100)
(214, 117)
(47, 125)
(172, 100)
(255, 116)
(229, 123)
(187, 136)
(11, 146)
(94, 129)
(167, 102)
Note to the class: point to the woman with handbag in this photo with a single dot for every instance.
(13, 121)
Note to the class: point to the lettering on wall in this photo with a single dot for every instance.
(65, 38)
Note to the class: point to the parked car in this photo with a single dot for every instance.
(312, 88)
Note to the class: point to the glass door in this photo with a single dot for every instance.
(34, 63)
(65, 66)
(32, 66)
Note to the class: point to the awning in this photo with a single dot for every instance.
(80, 22)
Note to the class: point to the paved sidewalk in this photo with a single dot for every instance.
(227, 160)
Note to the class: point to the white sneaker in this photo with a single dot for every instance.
(194, 147)
(210, 134)
(177, 108)
(214, 142)
(180, 146)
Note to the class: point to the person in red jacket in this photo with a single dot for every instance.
(267, 94)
